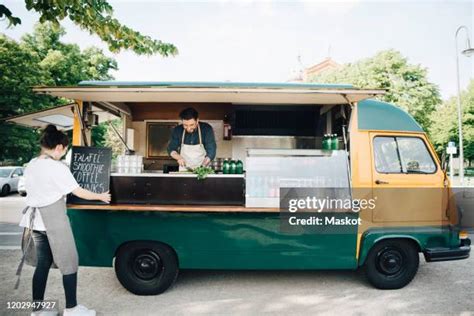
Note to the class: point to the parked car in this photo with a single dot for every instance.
(9, 178)
(21, 186)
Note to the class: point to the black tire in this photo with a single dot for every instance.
(5, 190)
(392, 264)
(146, 267)
(23, 193)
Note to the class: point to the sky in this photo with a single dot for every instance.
(260, 41)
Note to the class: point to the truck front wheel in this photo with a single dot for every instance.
(392, 264)
(146, 267)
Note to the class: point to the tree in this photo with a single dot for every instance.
(407, 84)
(40, 59)
(65, 63)
(445, 123)
(97, 18)
(111, 138)
(19, 70)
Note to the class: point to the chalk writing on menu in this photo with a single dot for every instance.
(90, 167)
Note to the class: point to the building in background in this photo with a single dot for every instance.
(326, 65)
(303, 74)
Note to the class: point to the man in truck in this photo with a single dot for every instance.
(192, 143)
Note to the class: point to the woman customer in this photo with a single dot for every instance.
(47, 182)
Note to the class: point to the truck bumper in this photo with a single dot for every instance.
(445, 254)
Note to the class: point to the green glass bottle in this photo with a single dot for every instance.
(233, 167)
(239, 168)
(326, 144)
(226, 167)
(334, 142)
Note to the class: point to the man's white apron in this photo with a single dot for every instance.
(193, 155)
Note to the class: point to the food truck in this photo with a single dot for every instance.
(159, 221)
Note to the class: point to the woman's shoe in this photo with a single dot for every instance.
(78, 310)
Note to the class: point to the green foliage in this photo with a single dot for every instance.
(407, 84)
(65, 63)
(97, 18)
(98, 135)
(445, 123)
(40, 58)
(111, 138)
(19, 70)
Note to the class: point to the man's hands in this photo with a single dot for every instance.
(178, 158)
(181, 162)
(206, 161)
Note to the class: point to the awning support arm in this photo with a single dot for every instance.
(347, 99)
(129, 151)
(81, 122)
(344, 137)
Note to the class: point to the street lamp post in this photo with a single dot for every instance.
(469, 51)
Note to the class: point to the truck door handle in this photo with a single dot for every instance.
(380, 182)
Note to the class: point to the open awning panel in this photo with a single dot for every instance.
(280, 94)
(61, 116)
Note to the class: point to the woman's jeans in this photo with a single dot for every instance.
(44, 261)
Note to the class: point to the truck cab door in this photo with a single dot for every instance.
(407, 181)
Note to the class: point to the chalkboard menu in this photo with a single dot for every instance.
(90, 167)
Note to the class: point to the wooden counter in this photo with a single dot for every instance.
(172, 208)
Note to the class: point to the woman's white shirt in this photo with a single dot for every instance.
(46, 181)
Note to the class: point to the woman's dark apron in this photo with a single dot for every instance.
(60, 237)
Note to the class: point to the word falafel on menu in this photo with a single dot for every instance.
(90, 167)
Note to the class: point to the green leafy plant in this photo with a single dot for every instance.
(202, 172)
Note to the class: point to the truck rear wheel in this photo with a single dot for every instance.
(392, 264)
(146, 267)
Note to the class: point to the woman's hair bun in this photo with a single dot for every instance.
(51, 137)
(50, 128)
